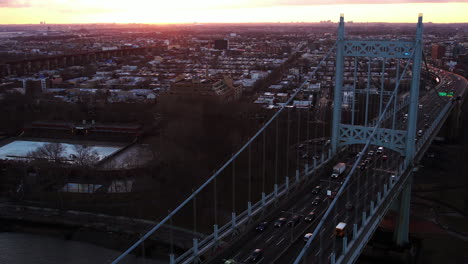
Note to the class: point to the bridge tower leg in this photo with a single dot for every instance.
(401, 232)
(414, 94)
(337, 96)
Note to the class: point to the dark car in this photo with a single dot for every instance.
(332, 195)
(310, 217)
(255, 256)
(262, 226)
(384, 157)
(317, 189)
(368, 160)
(362, 166)
(420, 133)
(316, 201)
(294, 221)
(280, 222)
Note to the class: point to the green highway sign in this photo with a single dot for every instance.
(449, 94)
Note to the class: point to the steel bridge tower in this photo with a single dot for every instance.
(399, 140)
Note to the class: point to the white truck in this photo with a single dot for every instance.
(338, 169)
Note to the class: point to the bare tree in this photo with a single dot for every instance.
(50, 152)
(85, 156)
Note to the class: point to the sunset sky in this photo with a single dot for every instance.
(202, 11)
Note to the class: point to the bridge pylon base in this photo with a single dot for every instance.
(401, 232)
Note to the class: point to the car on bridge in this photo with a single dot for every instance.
(262, 226)
(338, 169)
(294, 221)
(310, 217)
(362, 166)
(340, 230)
(307, 237)
(332, 194)
(380, 150)
(420, 133)
(316, 201)
(280, 222)
(255, 255)
(317, 189)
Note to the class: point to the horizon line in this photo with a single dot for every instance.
(202, 23)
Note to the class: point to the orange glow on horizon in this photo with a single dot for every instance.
(224, 11)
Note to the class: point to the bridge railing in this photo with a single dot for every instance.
(428, 133)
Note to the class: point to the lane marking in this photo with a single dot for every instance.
(268, 240)
(281, 241)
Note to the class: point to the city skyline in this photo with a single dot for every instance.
(228, 11)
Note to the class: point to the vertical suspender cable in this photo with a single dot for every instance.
(264, 160)
(396, 96)
(382, 86)
(215, 203)
(354, 90)
(367, 91)
(287, 143)
(234, 186)
(298, 135)
(250, 174)
(276, 152)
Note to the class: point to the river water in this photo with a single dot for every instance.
(19, 248)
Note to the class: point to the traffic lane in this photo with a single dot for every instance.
(263, 238)
(361, 205)
(298, 244)
(304, 228)
(298, 236)
(270, 236)
(276, 236)
(288, 233)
